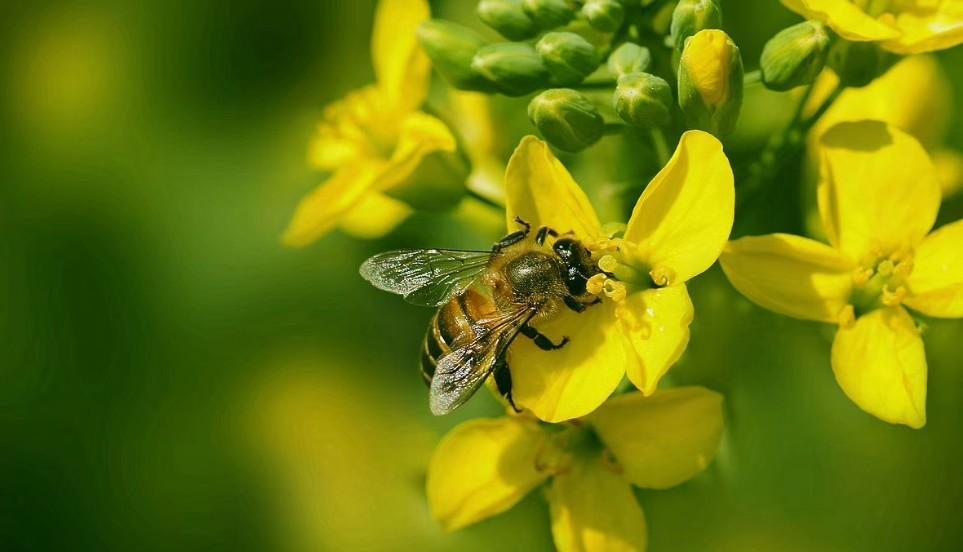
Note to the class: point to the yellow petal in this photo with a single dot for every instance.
(928, 30)
(880, 364)
(540, 190)
(949, 169)
(421, 134)
(878, 189)
(374, 216)
(662, 440)
(402, 68)
(572, 381)
(322, 209)
(594, 510)
(845, 18)
(482, 468)
(656, 323)
(790, 275)
(936, 283)
(683, 218)
(914, 96)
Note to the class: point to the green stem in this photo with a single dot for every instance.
(484, 200)
(594, 85)
(660, 145)
(822, 109)
(752, 77)
(614, 128)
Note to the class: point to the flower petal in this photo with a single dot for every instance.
(483, 468)
(374, 216)
(928, 30)
(594, 510)
(845, 18)
(572, 381)
(878, 188)
(880, 364)
(936, 283)
(790, 275)
(656, 323)
(662, 440)
(683, 218)
(402, 68)
(540, 190)
(322, 209)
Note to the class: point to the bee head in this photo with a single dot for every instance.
(577, 264)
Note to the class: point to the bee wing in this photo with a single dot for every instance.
(425, 277)
(461, 372)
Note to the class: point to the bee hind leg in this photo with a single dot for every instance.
(541, 340)
(503, 381)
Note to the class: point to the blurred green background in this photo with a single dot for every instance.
(172, 379)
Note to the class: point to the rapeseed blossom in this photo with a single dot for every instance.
(878, 198)
(677, 230)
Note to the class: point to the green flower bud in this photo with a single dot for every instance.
(794, 56)
(549, 14)
(513, 68)
(451, 48)
(568, 57)
(508, 18)
(858, 63)
(567, 119)
(604, 15)
(710, 82)
(629, 58)
(692, 16)
(643, 100)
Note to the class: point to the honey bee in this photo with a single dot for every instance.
(485, 299)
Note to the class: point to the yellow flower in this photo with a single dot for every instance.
(900, 26)
(677, 230)
(878, 198)
(375, 139)
(914, 96)
(484, 467)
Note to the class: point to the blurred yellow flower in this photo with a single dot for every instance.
(484, 467)
(900, 26)
(914, 96)
(375, 138)
(677, 230)
(878, 198)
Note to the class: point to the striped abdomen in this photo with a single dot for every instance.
(451, 328)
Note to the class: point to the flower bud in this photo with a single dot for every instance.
(513, 68)
(549, 14)
(567, 119)
(568, 57)
(710, 82)
(794, 56)
(858, 63)
(451, 48)
(604, 15)
(643, 100)
(508, 18)
(692, 16)
(629, 58)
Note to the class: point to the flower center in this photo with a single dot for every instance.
(360, 118)
(880, 281)
(622, 271)
(569, 443)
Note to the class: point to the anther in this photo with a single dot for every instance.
(595, 284)
(615, 290)
(847, 316)
(662, 276)
(891, 298)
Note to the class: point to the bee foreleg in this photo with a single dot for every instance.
(544, 232)
(574, 304)
(541, 341)
(514, 237)
(503, 381)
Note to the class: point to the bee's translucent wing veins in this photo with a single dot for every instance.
(426, 277)
(461, 372)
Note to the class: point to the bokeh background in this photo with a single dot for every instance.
(173, 379)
